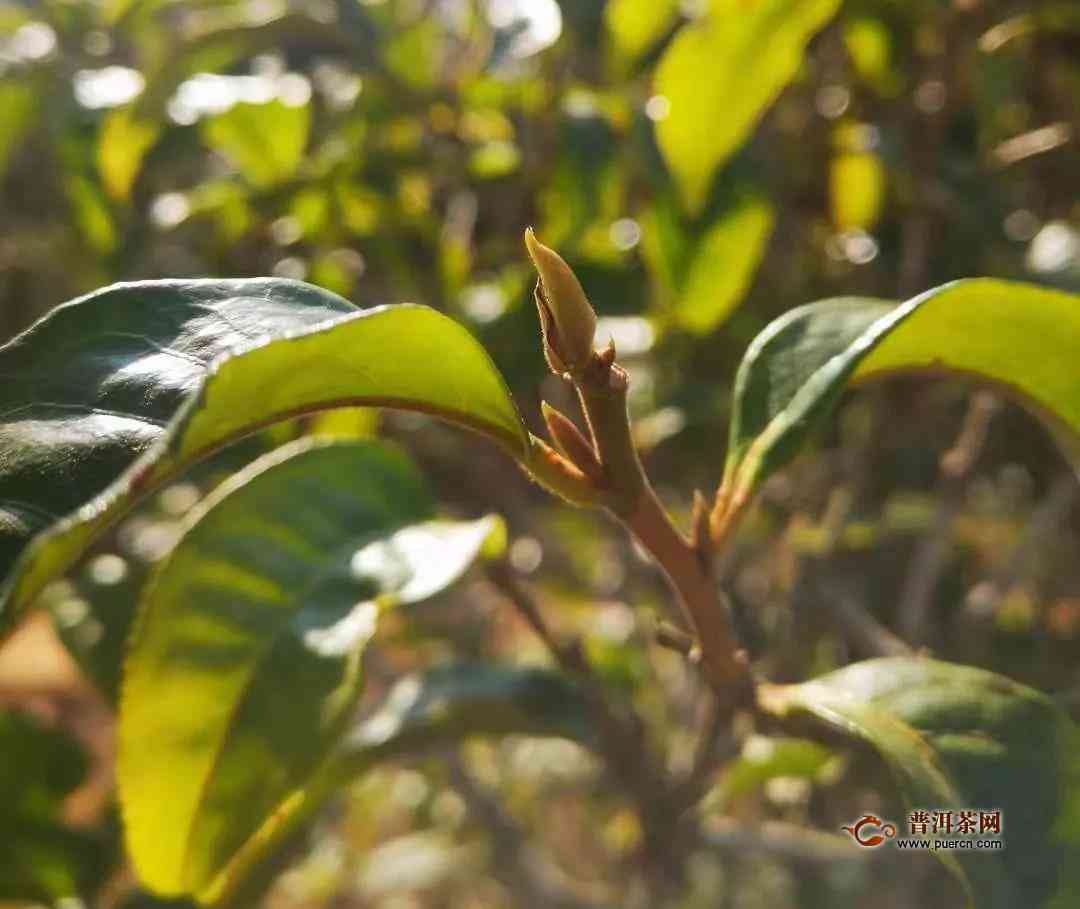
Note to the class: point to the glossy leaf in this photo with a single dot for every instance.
(958, 738)
(422, 711)
(244, 662)
(720, 74)
(1020, 337)
(176, 369)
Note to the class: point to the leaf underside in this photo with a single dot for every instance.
(959, 738)
(245, 659)
(1019, 337)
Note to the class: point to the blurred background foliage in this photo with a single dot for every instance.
(705, 165)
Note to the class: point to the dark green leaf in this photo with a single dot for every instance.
(959, 738)
(245, 658)
(175, 370)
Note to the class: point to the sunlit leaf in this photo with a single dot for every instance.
(265, 142)
(244, 661)
(1021, 338)
(856, 188)
(123, 142)
(723, 265)
(636, 25)
(413, 55)
(493, 160)
(869, 46)
(720, 74)
(174, 370)
(958, 738)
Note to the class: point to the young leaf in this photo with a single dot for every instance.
(1020, 337)
(958, 738)
(244, 661)
(421, 711)
(720, 74)
(173, 370)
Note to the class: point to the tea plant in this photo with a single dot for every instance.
(244, 653)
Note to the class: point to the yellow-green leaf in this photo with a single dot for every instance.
(636, 25)
(123, 143)
(723, 265)
(720, 74)
(245, 659)
(1022, 338)
(265, 142)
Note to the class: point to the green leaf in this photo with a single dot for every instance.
(720, 74)
(763, 759)
(177, 369)
(244, 661)
(636, 25)
(958, 738)
(17, 113)
(422, 711)
(265, 142)
(123, 143)
(1022, 338)
(90, 211)
(723, 265)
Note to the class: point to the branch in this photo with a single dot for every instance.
(621, 734)
(532, 876)
(933, 553)
(602, 388)
(604, 470)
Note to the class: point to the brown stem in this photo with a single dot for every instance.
(603, 388)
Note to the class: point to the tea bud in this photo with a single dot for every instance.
(566, 317)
